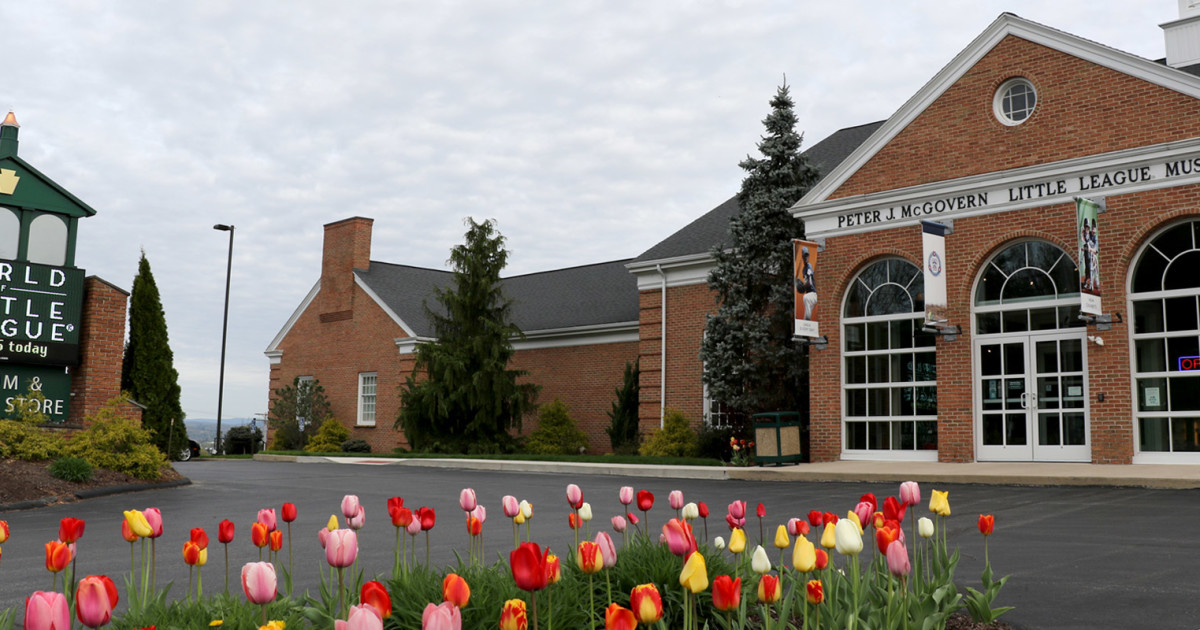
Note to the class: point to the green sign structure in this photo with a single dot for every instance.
(18, 382)
(40, 312)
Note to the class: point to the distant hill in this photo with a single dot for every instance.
(204, 430)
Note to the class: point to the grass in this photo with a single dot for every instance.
(586, 459)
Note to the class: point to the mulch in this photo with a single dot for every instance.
(22, 481)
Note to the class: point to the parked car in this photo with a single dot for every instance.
(192, 450)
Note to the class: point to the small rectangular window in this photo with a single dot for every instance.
(366, 399)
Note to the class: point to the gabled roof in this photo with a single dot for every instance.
(712, 229)
(36, 191)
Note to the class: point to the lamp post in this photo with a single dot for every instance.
(224, 331)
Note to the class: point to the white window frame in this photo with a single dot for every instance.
(368, 388)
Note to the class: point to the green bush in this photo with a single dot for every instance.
(28, 442)
(713, 442)
(71, 469)
(119, 444)
(329, 437)
(623, 426)
(242, 440)
(557, 432)
(675, 439)
(356, 446)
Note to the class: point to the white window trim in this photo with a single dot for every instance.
(998, 101)
(361, 420)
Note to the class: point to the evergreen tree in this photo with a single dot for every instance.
(148, 370)
(302, 401)
(751, 363)
(461, 396)
(623, 430)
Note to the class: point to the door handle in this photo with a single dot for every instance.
(1025, 400)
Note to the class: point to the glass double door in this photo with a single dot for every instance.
(1032, 400)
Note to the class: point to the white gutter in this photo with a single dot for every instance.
(662, 379)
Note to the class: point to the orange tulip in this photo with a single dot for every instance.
(553, 569)
(886, 535)
(513, 616)
(275, 539)
(769, 589)
(617, 617)
(587, 555)
(58, 556)
(646, 602)
(3, 532)
(455, 590)
(474, 526)
(814, 592)
(987, 524)
(726, 593)
(191, 553)
(127, 533)
(375, 595)
(260, 535)
(822, 559)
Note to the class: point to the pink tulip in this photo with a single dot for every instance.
(414, 527)
(910, 493)
(897, 559)
(341, 548)
(797, 527)
(359, 519)
(626, 495)
(675, 499)
(608, 551)
(735, 523)
(267, 517)
(510, 505)
(47, 610)
(323, 536)
(363, 617)
(258, 582)
(349, 505)
(737, 510)
(466, 500)
(865, 513)
(480, 513)
(443, 617)
(574, 496)
(154, 518)
(95, 599)
(678, 536)
(619, 524)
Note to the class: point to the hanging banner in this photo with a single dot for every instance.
(1086, 212)
(805, 292)
(933, 239)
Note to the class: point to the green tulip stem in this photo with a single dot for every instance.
(341, 598)
(191, 582)
(153, 564)
(533, 596)
(226, 567)
(854, 592)
(591, 602)
(516, 535)
(289, 557)
(199, 583)
(427, 549)
(608, 583)
(549, 608)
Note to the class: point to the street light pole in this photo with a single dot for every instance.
(224, 332)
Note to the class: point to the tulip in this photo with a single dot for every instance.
(910, 493)
(154, 518)
(455, 590)
(480, 513)
(646, 603)
(466, 499)
(633, 519)
(474, 526)
(848, 538)
(702, 509)
(138, 523)
(829, 518)
(822, 559)
(828, 540)
(804, 555)
(526, 509)
(769, 589)
(690, 511)
(886, 535)
(939, 503)
(341, 548)
(225, 531)
(726, 593)
(679, 538)
(987, 524)
(797, 527)
(761, 511)
(402, 517)
(332, 523)
(893, 509)
(359, 519)
(737, 541)
(608, 551)
(781, 538)
(260, 535)
(573, 521)
(645, 500)
(375, 595)
(528, 564)
(734, 523)
(127, 533)
(737, 509)
(267, 518)
(258, 582)
(870, 498)
(58, 556)
(361, 617)
(897, 559)
(759, 562)
(553, 569)
(587, 556)
(925, 527)
(350, 505)
(617, 617)
(191, 553)
(719, 543)
(3, 532)
(675, 499)
(276, 540)
(513, 616)
(428, 518)
(694, 576)
(816, 518)
(619, 524)
(413, 527)
(510, 505)
(585, 512)
(199, 537)
(47, 610)
(394, 503)
(574, 496)
(323, 536)
(814, 592)
(879, 520)
(625, 495)
(70, 529)
(95, 599)
(864, 512)
(288, 512)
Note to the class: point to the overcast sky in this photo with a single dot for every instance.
(588, 130)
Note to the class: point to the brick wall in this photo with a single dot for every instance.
(97, 378)
(687, 311)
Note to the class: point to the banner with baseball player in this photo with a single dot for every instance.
(805, 288)
(1086, 212)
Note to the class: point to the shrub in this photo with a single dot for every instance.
(713, 442)
(242, 440)
(675, 439)
(623, 428)
(557, 432)
(329, 437)
(356, 446)
(71, 469)
(119, 444)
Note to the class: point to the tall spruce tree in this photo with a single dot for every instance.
(461, 395)
(148, 370)
(751, 363)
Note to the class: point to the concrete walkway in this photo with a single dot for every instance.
(1176, 476)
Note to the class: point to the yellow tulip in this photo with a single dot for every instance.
(939, 503)
(332, 524)
(737, 540)
(781, 538)
(138, 523)
(853, 516)
(828, 540)
(804, 555)
(203, 557)
(519, 519)
(695, 573)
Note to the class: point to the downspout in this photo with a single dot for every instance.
(662, 379)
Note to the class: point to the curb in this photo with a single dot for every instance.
(91, 493)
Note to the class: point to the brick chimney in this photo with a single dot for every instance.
(1183, 35)
(347, 247)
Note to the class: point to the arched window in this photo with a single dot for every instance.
(890, 368)
(48, 240)
(10, 233)
(1166, 337)
(1024, 273)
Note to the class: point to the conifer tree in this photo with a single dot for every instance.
(148, 371)
(623, 430)
(461, 395)
(751, 363)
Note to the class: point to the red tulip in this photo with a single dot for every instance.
(428, 518)
(797, 527)
(225, 531)
(816, 518)
(70, 530)
(394, 507)
(702, 508)
(58, 556)
(3, 532)
(341, 548)
(258, 582)
(260, 535)
(726, 593)
(822, 559)
(829, 518)
(455, 590)
(761, 511)
(646, 602)
(375, 595)
(893, 510)
(288, 512)
(987, 524)
(47, 610)
(645, 500)
(870, 498)
(617, 617)
(528, 564)
(191, 553)
(814, 592)
(769, 589)
(587, 556)
(95, 599)
(573, 521)
(276, 540)
(402, 517)
(154, 518)
(886, 535)
(553, 569)
(633, 519)
(574, 496)
(200, 537)
(127, 533)
(474, 526)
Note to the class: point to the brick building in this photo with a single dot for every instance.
(996, 147)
